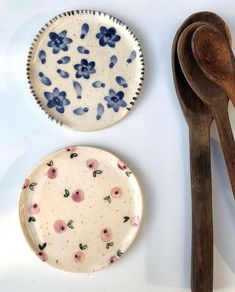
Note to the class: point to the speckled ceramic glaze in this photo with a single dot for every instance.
(85, 69)
(80, 209)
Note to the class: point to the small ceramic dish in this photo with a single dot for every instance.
(85, 69)
(80, 209)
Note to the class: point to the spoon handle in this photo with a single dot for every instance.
(229, 89)
(226, 139)
(202, 225)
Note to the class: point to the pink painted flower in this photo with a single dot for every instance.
(26, 183)
(79, 257)
(78, 196)
(135, 221)
(116, 192)
(106, 234)
(52, 173)
(113, 259)
(60, 226)
(42, 255)
(33, 209)
(71, 148)
(92, 163)
(121, 165)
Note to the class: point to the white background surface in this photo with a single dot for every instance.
(153, 139)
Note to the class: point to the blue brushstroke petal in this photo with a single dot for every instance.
(121, 81)
(45, 80)
(132, 57)
(62, 73)
(63, 33)
(64, 60)
(42, 56)
(98, 84)
(84, 30)
(80, 111)
(100, 111)
(82, 50)
(78, 89)
(113, 61)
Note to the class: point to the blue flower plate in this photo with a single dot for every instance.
(85, 69)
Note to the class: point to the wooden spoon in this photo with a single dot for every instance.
(214, 56)
(199, 120)
(211, 94)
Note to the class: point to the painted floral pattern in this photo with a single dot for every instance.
(98, 59)
(33, 209)
(122, 165)
(84, 69)
(135, 221)
(79, 257)
(26, 183)
(113, 259)
(92, 163)
(60, 226)
(116, 192)
(59, 41)
(57, 99)
(29, 184)
(106, 234)
(52, 173)
(108, 36)
(42, 256)
(71, 148)
(87, 205)
(115, 100)
(78, 196)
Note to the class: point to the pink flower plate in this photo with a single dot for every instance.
(80, 209)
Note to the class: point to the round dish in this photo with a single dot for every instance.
(85, 69)
(80, 209)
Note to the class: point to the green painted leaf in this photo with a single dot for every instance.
(108, 198)
(50, 163)
(97, 172)
(70, 224)
(128, 173)
(42, 246)
(109, 244)
(31, 219)
(83, 246)
(32, 185)
(66, 193)
(72, 155)
(125, 219)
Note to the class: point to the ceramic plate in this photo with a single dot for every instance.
(80, 209)
(85, 69)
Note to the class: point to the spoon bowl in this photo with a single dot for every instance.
(189, 101)
(214, 56)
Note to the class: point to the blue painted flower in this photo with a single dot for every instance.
(115, 100)
(84, 69)
(59, 41)
(57, 99)
(108, 36)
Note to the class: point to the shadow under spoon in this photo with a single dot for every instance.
(211, 94)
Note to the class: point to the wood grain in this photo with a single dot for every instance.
(211, 94)
(214, 56)
(199, 119)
